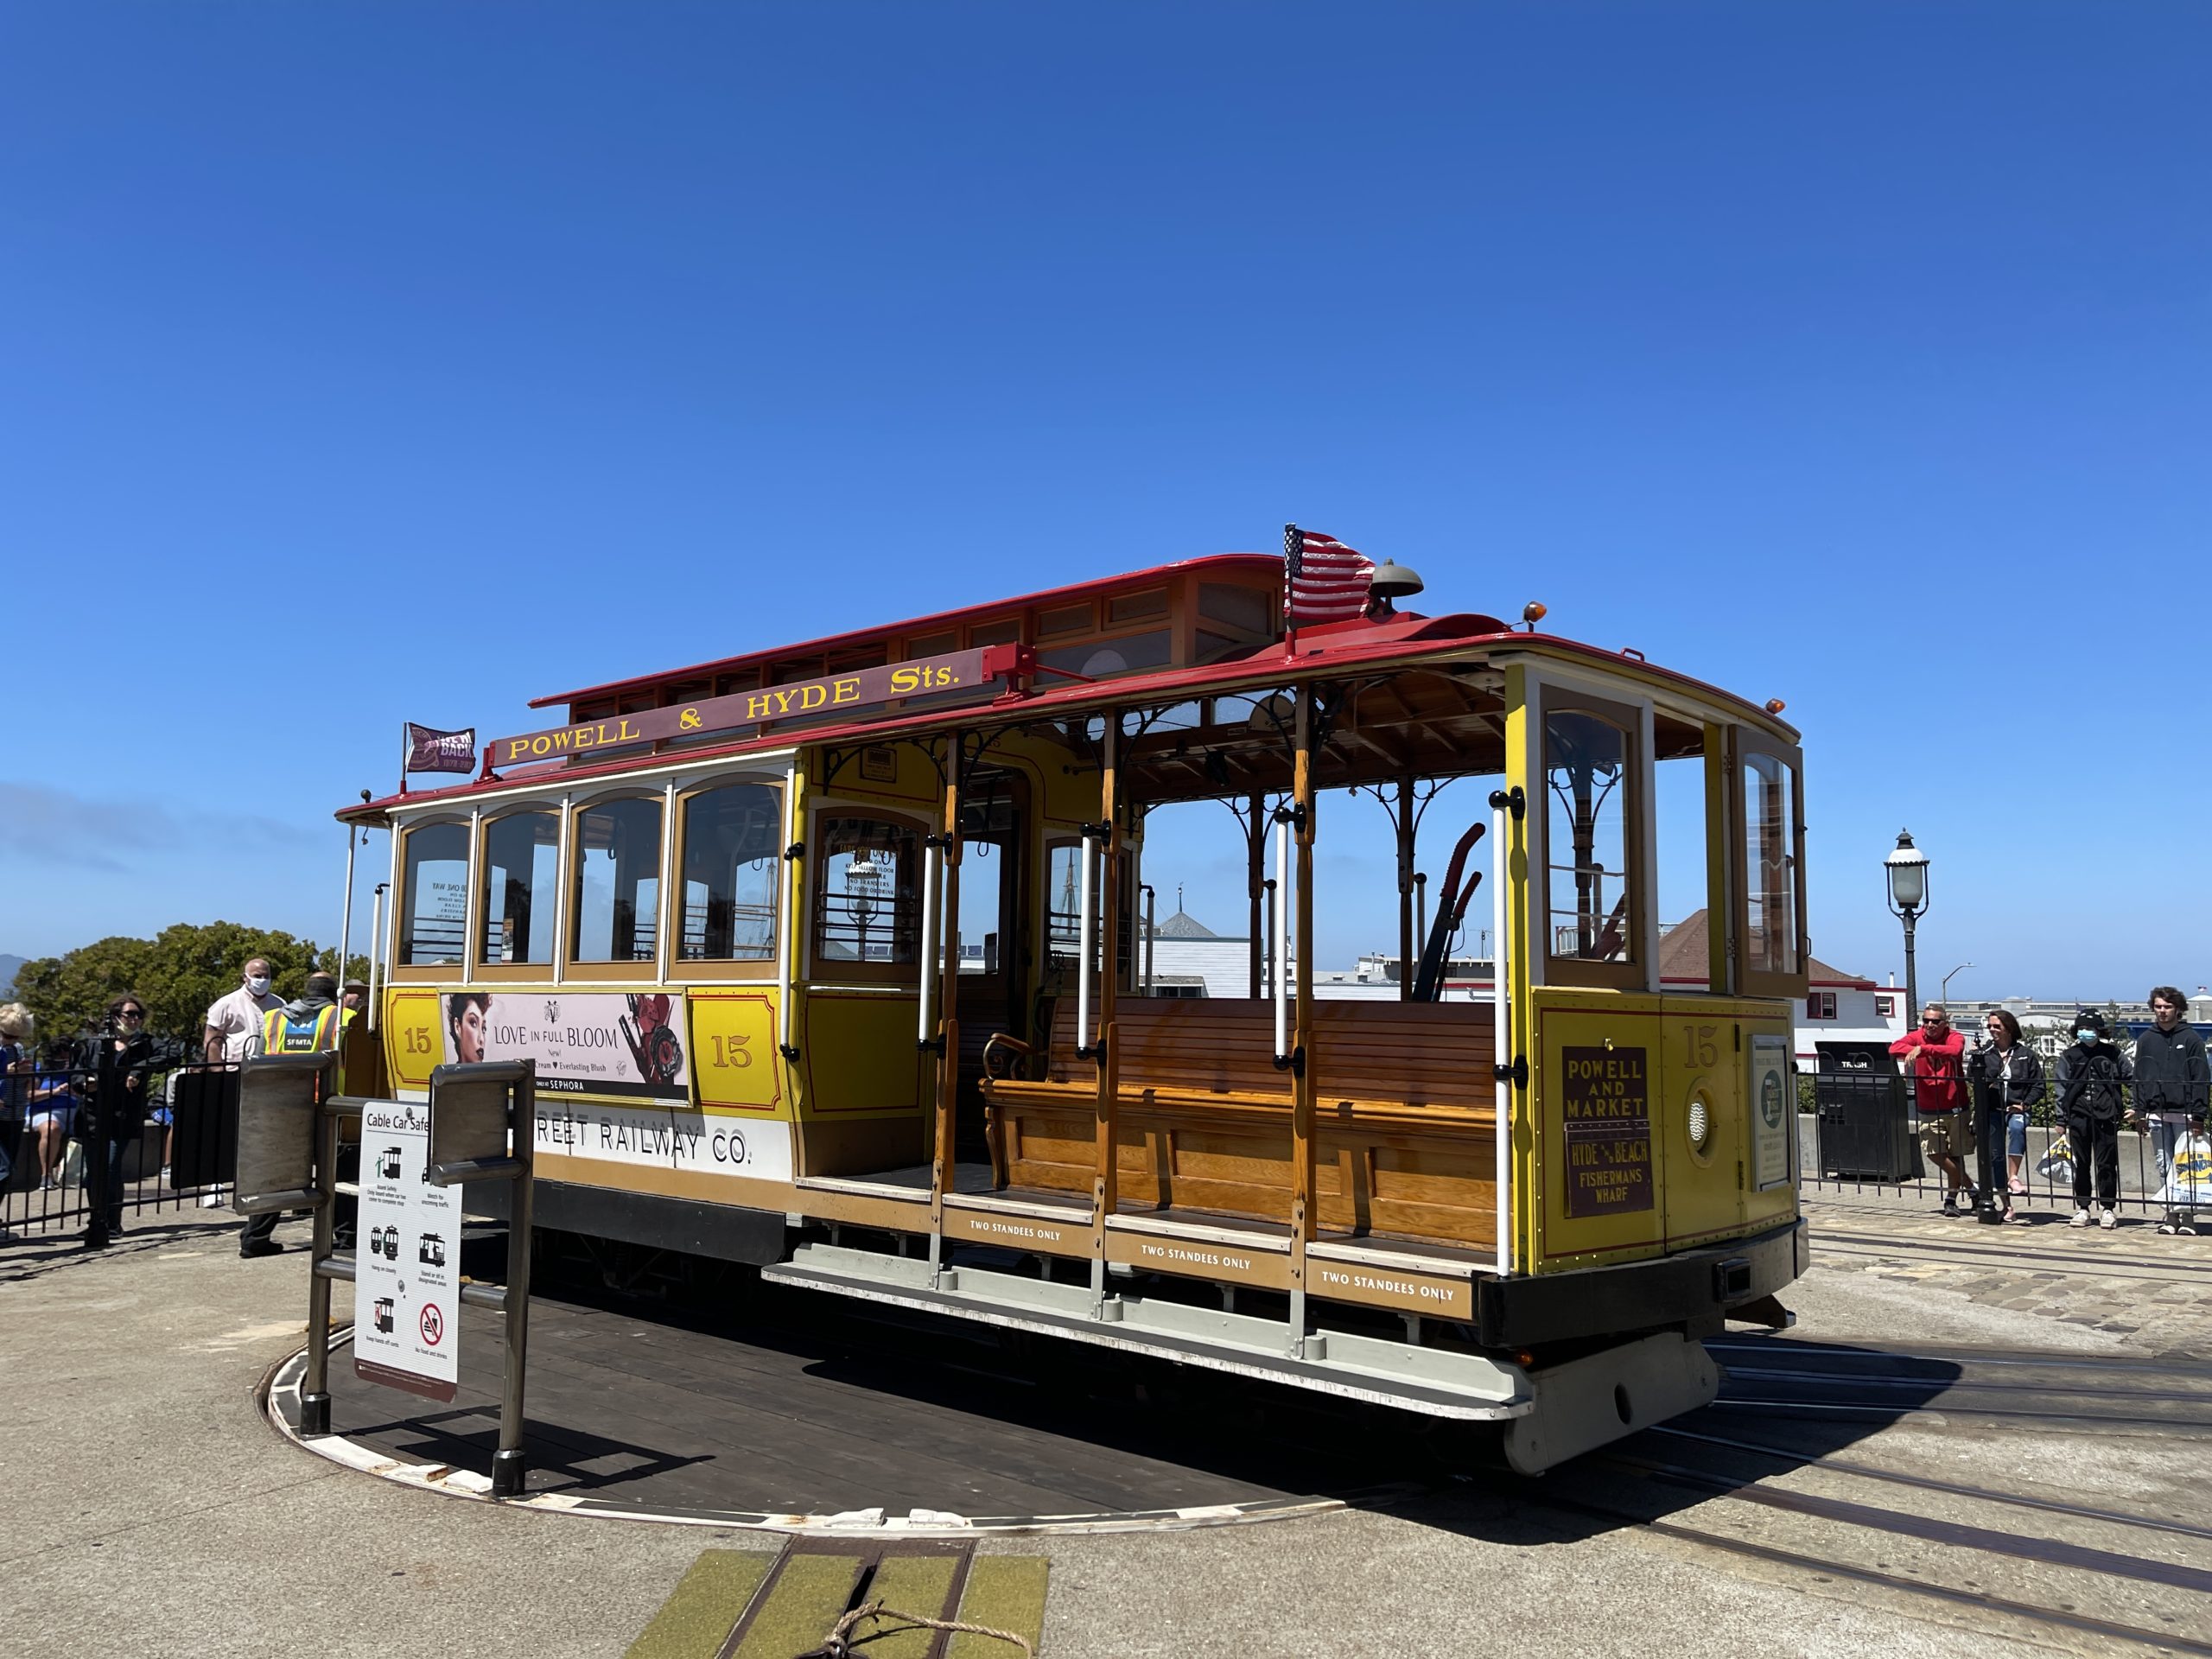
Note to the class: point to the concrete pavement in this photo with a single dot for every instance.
(152, 1510)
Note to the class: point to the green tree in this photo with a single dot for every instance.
(177, 973)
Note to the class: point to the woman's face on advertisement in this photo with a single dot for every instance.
(468, 1034)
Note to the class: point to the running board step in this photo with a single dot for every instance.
(1432, 1380)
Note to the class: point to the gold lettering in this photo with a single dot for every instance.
(904, 680)
(813, 696)
(517, 747)
(626, 731)
(783, 701)
(846, 691)
(756, 708)
(541, 745)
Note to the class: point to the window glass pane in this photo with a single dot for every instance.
(1137, 608)
(868, 897)
(987, 828)
(995, 633)
(522, 855)
(1064, 901)
(433, 914)
(1246, 609)
(1069, 619)
(1586, 767)
(733, 859)
(1099, 659)
(618, 882)
(1771, 865)
(1685, 923)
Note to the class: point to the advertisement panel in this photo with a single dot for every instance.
(625, 1046)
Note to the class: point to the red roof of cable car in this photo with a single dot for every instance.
(1404, 638)
(1267, 564)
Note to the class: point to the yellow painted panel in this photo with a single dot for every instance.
(1705, 1060)
(733, 1059)
(413, 1040)
(859, 1055)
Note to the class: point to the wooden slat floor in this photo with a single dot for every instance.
(819, 1406)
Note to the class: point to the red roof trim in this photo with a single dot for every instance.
(1252, 563)
(1407, 639)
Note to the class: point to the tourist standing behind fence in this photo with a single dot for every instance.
(2007, 1078)
(1932, 1055)
(233, 1022)
(116, 1066)
(2092, 1077)
(2170, 1078)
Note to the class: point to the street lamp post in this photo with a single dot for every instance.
(1945, 994)
(1907, 870)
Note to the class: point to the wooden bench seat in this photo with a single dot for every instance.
(1403, 1114)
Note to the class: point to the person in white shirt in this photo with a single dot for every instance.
(234, 1021)
(233, 1025)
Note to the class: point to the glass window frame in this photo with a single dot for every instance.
(731, 970)
(433, 972)
(901, 976)
(1745, 743)
(577, 970)
(1628, 974)
(480, 895)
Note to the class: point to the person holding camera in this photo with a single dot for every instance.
(116, 1065)
(2007, 1078)
(2093, 1075)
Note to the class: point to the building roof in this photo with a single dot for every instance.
(1683, 956)
(1184, 925)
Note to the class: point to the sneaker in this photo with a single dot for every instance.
(254, 1247)
(214, 1200)
(2110, 1220)
(49, 1185)
(1951, 1203)
(165, 1174)
(2080, 1218)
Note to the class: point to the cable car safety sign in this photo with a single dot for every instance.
(406, 1258)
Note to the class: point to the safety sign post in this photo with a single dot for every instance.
(406, 1265)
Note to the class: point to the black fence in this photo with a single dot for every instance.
(1858, 1127)
(172, 1158)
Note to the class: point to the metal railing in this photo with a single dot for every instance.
(169, 1165)
(1860, 1130)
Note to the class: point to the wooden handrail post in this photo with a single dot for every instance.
(1105, 1189)
(1303, 1067)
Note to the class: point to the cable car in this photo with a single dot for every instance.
(827, 955)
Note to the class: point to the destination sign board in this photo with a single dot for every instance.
(862, 688)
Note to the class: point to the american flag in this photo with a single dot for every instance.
(1327, 580)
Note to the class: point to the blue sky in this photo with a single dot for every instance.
(361, 364)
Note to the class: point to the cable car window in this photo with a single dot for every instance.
(618, 882)
(867, 894)
(1769, 865)
(434, 907)
(732, 858)
(522, 855)
(1099, 659)
(1586, 770)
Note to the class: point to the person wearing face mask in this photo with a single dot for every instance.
(2092, 1076)
(234, 1021)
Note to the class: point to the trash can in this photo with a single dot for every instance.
(1864, 1113)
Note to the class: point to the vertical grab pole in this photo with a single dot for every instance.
(376, 949)
(1151, 933)
(1281, 972)
(928, 951)
(1086, 1042)
(345, 916)
(507, 1463)
(1501, 1030)
(945, 1037)
(787, 934)
(1407, 949)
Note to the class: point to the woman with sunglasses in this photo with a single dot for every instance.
(116, 1065)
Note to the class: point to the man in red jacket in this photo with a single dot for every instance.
(1933, 1057)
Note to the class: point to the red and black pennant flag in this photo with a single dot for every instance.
(431, 750)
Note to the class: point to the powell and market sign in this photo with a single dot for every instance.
(961, 670)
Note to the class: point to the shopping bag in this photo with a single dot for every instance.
(2057, 1165)
(2188, 1177)
(73, 1165)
